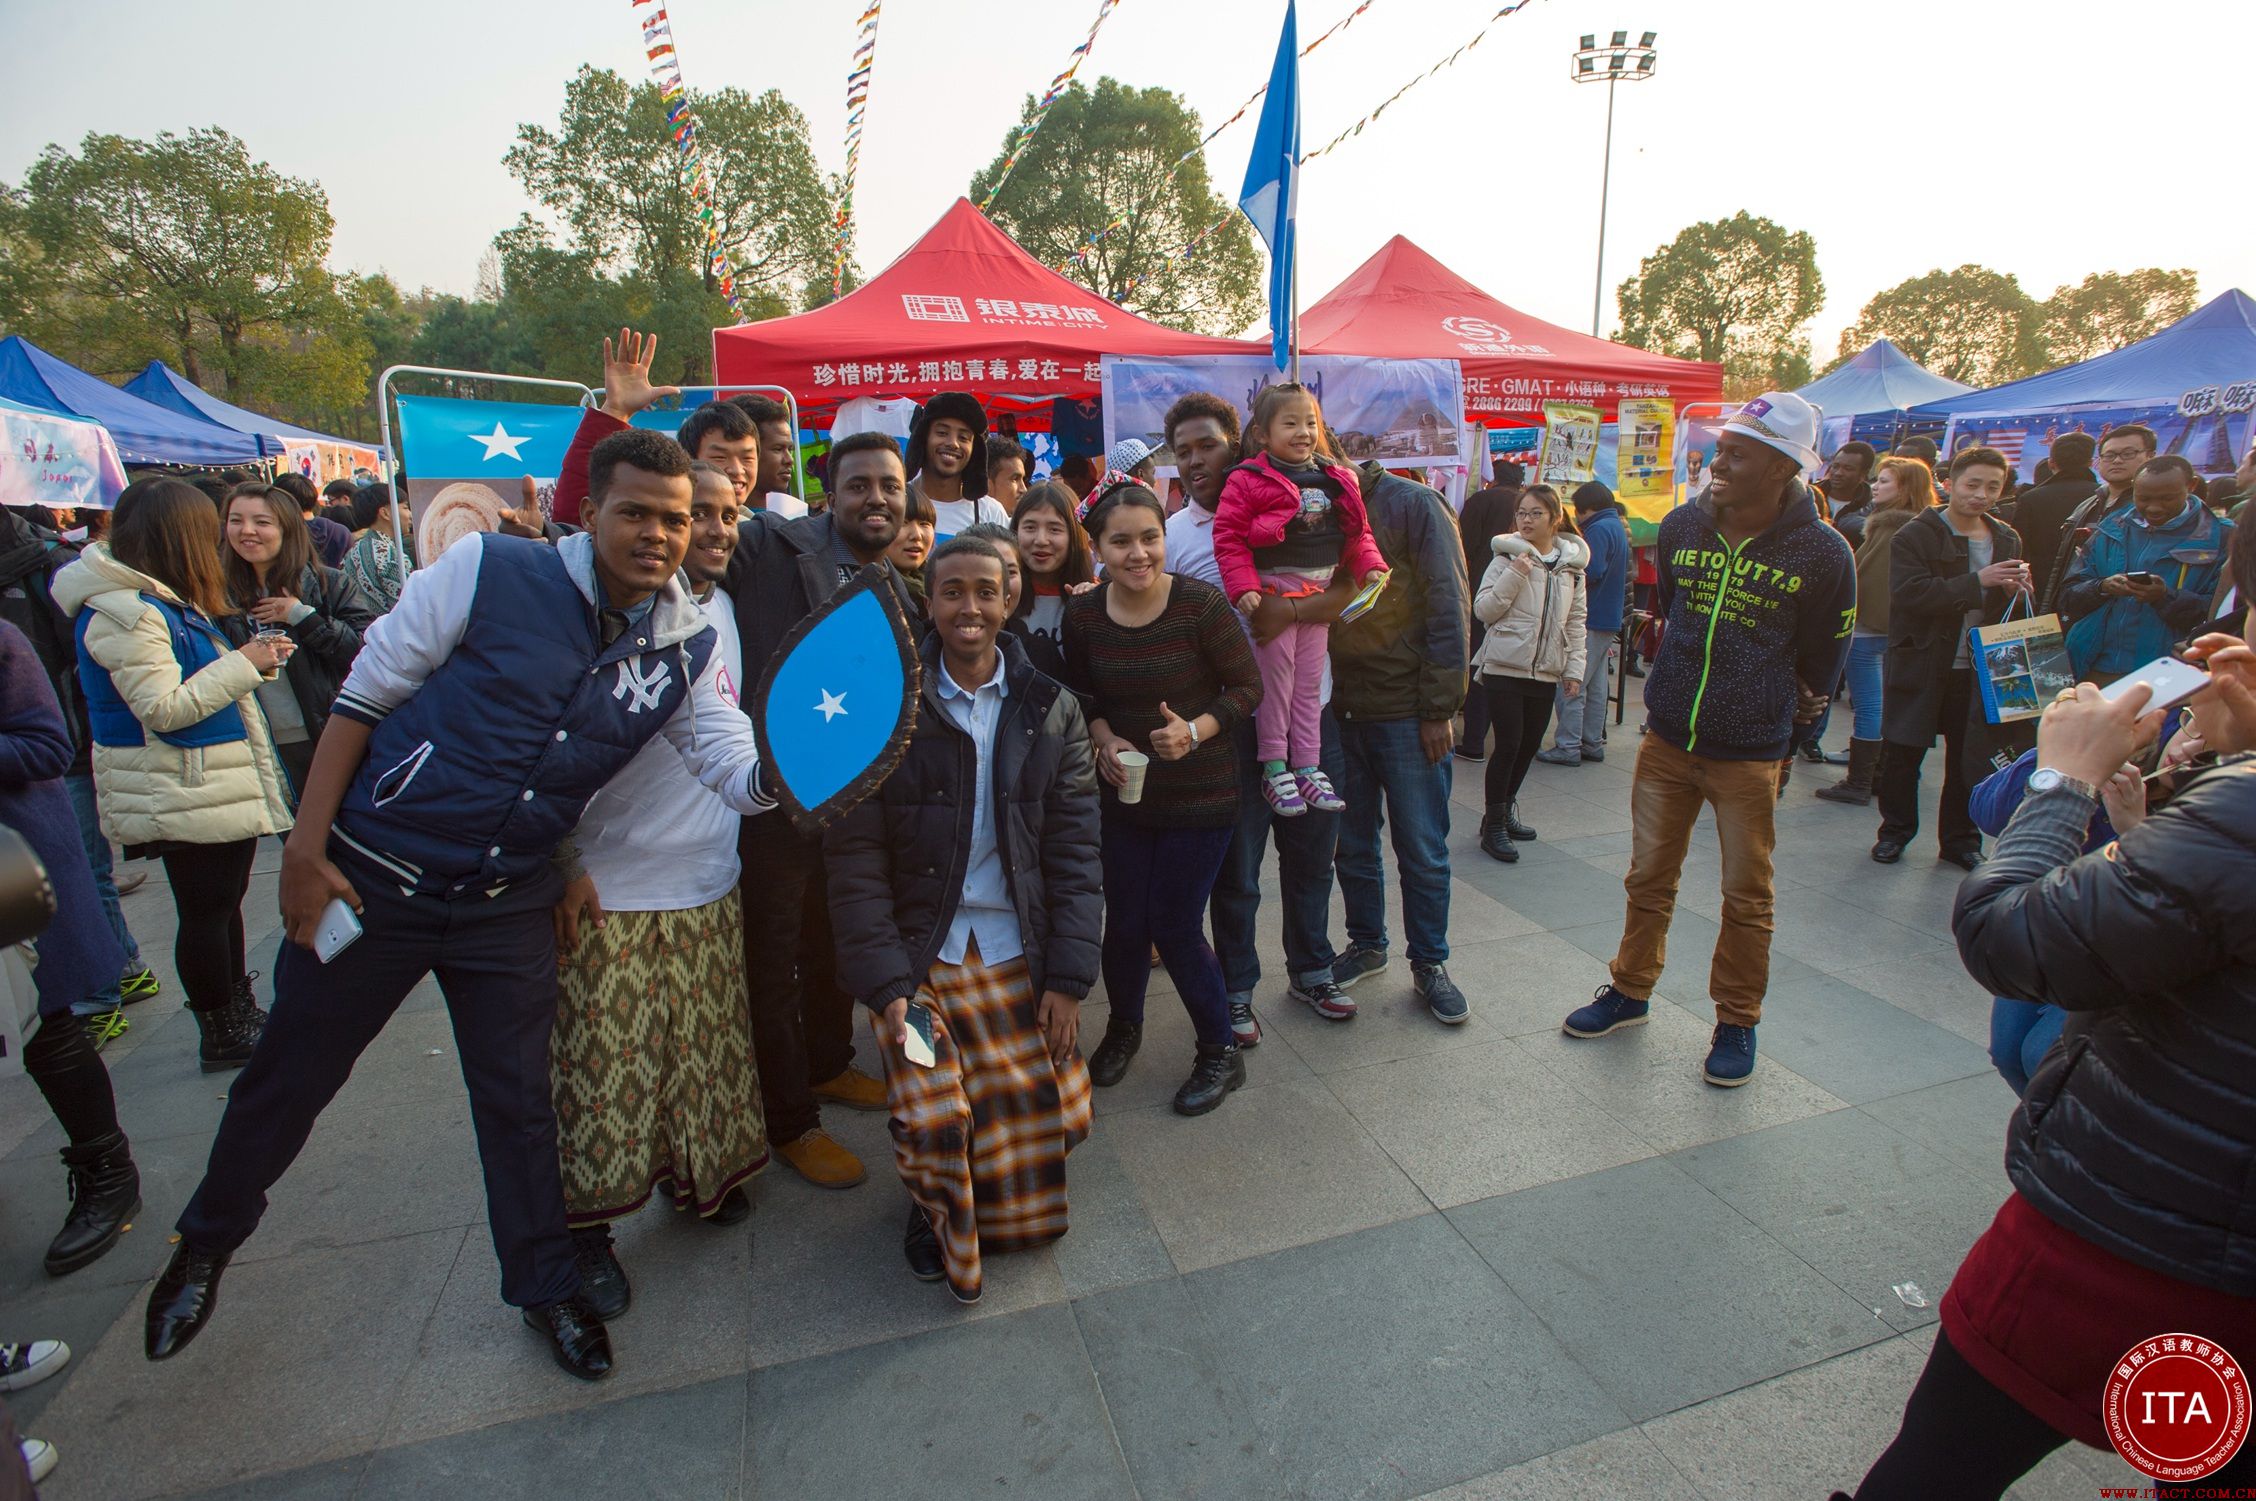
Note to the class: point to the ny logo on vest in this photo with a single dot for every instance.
(645, 686)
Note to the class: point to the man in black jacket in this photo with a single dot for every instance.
(2038, 513)
(969, 908)
(1759, 596)
(1488, 514)
(1398, 679)
(1951, 569)
(29, 557)
(802, 1023)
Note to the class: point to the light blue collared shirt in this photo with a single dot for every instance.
(985, 913)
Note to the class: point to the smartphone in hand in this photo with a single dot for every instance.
(336, 932)
(2173, 683)
(918, 1044)
(2143, 579)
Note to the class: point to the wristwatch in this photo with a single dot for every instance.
(1192, 726)
(2046, 778)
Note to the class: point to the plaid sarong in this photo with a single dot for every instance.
(980, 1137)
(651, 1063)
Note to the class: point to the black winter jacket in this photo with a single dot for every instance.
(1743, 624)
(2139, 1131)
(897, 860)
(328, 640)
(1405, 657)
(780, 571)
(29, 558)
(1930, 589)
(2040, 515)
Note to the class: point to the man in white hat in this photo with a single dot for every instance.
(1759, 597)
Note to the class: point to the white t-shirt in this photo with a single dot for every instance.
(789, 507)
(952, 516)
(1190, 544)
(654, 838)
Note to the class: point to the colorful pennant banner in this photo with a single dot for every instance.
(857, 109)
(665, 67)
(1027, 132)
(1357, 128)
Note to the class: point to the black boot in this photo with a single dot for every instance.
(603, 1282)
(1520, 832)
(920, 1244)
(1494, 841)
(576, 1337)
(245, 1001)
(1856, 787)
(181, 1303)
(230, 1031)
(1109, 1063)
(1219, 1068)
(105, 1190)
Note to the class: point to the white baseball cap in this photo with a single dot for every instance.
(1782, 420)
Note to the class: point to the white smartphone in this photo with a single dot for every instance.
(335, 933)
(918, 1044)
(2173, 683)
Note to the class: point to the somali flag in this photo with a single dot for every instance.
(494, 441)
(1271, 195)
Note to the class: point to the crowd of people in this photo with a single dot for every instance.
(522, 767)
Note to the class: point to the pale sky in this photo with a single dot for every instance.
(2047, 138)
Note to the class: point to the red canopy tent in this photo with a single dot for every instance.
(1404, 304)
(963, 309)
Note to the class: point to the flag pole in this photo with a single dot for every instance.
(1293, 372)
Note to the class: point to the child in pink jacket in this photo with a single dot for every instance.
(1287, 520)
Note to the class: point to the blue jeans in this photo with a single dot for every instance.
(1384, 759)
(81, 789)
(1304, 865)
(1156, 882)
(2021, 1033)
(1867, 655)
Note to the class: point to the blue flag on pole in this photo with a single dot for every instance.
(1271, 195)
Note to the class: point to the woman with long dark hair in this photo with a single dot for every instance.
(1056, 553)
(184, 770)
(276, 583)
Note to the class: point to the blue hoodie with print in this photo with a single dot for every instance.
(1743, 625)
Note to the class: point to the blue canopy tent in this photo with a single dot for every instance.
(144, 432)
(2194, 383)
(1867, 397)
(166, 387)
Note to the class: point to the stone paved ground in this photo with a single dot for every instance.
(1408, 1261)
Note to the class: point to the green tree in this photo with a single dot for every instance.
(1113, 153)
(611, 172)
(2110, 309)
(185, 249)
(1735, 290)
(1973, 325)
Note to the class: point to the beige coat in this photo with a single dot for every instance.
(1535, 620)
(156, 792)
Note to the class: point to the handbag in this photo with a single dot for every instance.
(2019, 667)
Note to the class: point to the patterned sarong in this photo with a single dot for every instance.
(652, 1063)
(980, 1138)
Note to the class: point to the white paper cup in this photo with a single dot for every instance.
(1135, 763)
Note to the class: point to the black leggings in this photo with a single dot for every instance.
(208, 883)
(1964, 1440)
(1520, 711)
(63, 1063)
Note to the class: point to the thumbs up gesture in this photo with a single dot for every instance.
(1172, 741)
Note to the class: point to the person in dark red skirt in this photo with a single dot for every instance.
(2133, 1155)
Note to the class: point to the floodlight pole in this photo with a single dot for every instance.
(1605, 191)
(1586, 69)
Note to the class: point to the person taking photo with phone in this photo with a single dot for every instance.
(511, 682)
(966, 896)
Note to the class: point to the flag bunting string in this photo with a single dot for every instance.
(665, 68)
(862, 64)
(1026, 133)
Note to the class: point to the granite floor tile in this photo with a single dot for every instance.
(1857, 1046)
(1621, 1466)
(1964, 1120)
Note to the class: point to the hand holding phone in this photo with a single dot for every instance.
(2142, 579)
(916, 1043)
(2172, 680)
(338, 929)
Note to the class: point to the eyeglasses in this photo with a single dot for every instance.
(1535, 515)
(2121, 455)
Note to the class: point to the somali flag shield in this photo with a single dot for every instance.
(835, 708)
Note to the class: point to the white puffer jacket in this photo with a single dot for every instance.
(159, 792)
(1534, 619)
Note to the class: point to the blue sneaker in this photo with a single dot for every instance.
(1731, 1057)
(1360, 962)
(1609, 1011)
(1440, 993)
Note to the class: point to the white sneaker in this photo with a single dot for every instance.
(30, 1363)
(39, 1457)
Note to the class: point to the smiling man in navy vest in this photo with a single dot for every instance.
(510, 683)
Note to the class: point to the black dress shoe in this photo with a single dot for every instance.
(1887, 852)
(734, 1209)
(181, 1303)
(603, 1282)
(1109, 1063)
(922, 1247)
(577, 1338)
(1963, 859)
